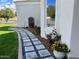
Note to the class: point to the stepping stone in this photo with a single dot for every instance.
(24, 38)
(30, 34)
(31, 55)
(34, 39)
(44, 53)
(27, 40)
(39, 46)
(48, 58)
(24, 35)
(30, 48)
(27, 43)
(22, 32)
(37, 42)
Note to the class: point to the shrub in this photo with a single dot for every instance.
(60, 47)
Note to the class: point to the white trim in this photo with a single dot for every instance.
(20, 46)
(23, 3)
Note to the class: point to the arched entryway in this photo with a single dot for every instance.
(31, 22)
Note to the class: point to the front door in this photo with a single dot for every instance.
(31, 21)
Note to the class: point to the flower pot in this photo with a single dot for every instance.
(58, 55)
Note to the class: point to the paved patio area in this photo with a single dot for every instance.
(32, 48)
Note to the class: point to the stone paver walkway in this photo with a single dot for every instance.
(32, 48)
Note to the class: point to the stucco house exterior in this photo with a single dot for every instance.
(25, 10)
(67, 24)
(66, 20)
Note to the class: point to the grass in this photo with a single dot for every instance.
(8, 42)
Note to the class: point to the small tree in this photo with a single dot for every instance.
(0, 13)
(7, 13)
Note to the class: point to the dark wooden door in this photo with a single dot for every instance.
(31, 22)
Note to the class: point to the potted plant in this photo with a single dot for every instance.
(53, 36)
(60, 50)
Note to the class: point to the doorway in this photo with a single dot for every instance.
(31, 22)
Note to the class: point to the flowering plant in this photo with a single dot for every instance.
(60, 47)
(54, 35)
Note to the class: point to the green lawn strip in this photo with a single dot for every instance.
(8, 42)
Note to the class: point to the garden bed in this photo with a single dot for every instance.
(43, 40)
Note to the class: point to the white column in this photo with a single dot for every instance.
(69, 25)
(43, 17)
(66, 19)
(57, 15)
(75, 31)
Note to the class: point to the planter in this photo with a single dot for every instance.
(58, 55)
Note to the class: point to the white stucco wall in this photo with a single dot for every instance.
(43, 17)
(57, 15)
(66, 19)
(28, 0)
(26, 10)
(44, 28)
(75, 31)
(69, 25)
